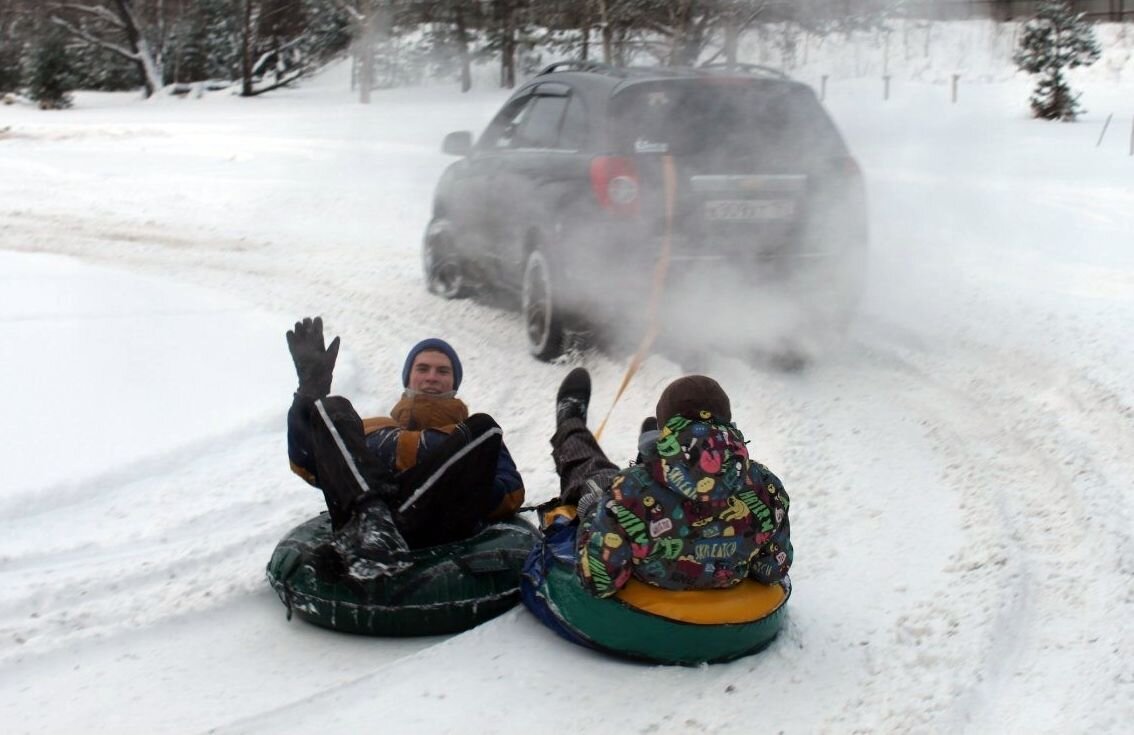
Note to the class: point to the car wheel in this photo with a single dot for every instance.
(543, 323)
(444, 275)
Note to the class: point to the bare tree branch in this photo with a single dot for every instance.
(649, 24)
(259, 63)
(83, 34)
(99, 11)
(120, 18)
(129, 17)
(751, 17)
(352, 11)
(281, 83)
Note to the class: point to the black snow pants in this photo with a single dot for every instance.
(445, 497)
(579, 461)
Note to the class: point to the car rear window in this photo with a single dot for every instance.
(780, 126)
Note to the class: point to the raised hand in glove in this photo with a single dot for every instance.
(314, 363)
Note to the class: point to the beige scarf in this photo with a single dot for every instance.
(413, 414)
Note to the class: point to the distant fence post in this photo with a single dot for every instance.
(886, 87)
(955, 78)
(1104, 127)
(823, 87)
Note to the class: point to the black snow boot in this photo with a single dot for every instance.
(573, 396)
(370, 544)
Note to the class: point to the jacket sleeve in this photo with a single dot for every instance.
(382, 443)
(603, 544)
(773, 560)
(507, 487)
(299, 439)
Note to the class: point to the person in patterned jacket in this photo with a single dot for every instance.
(428, 474)
(695, 511)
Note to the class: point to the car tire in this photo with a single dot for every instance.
(539, 308)
(444, 274)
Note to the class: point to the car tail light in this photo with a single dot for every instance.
(614, 180)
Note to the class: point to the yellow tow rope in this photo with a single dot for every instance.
(660, 272)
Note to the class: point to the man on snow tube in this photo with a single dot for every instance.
(426, 475)
(694, 512)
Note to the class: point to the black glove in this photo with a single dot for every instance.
(314, 363)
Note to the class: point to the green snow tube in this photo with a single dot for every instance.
(659, 626)
(449, 588)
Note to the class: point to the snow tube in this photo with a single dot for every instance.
(449, 588)
(647, 623)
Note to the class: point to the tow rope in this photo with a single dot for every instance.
(661, 269)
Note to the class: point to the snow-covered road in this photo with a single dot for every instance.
(960, 468)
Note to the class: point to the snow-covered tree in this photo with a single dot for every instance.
(51, 78)
(370, 23)
(133, 29)
(205, 43)
(1055, 40)
(450, 32)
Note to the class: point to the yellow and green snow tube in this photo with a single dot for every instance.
(655, 625)
(449, 588)
(689, 627)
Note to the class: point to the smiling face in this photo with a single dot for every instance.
(432, 373)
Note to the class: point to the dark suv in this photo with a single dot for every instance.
(589, 173)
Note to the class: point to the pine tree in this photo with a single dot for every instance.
(205, 43)
(14, 37)
(10, 71)
(1056, 39)
(51, 75)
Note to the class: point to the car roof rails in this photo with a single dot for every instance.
(747, 68)
(577, 65)
(658, 71)
(597, 67)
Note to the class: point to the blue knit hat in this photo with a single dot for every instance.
(440, 345)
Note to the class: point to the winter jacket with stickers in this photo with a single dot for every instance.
(696, 513)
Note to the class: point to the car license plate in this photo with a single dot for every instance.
(748, 210)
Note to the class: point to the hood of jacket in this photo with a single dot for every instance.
(700, 459)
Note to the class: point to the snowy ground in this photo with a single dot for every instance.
(960, 468)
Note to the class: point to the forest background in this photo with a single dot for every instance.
(254, 46)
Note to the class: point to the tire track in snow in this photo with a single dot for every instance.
(910, 635)
(164, 537)
(1046, 531)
